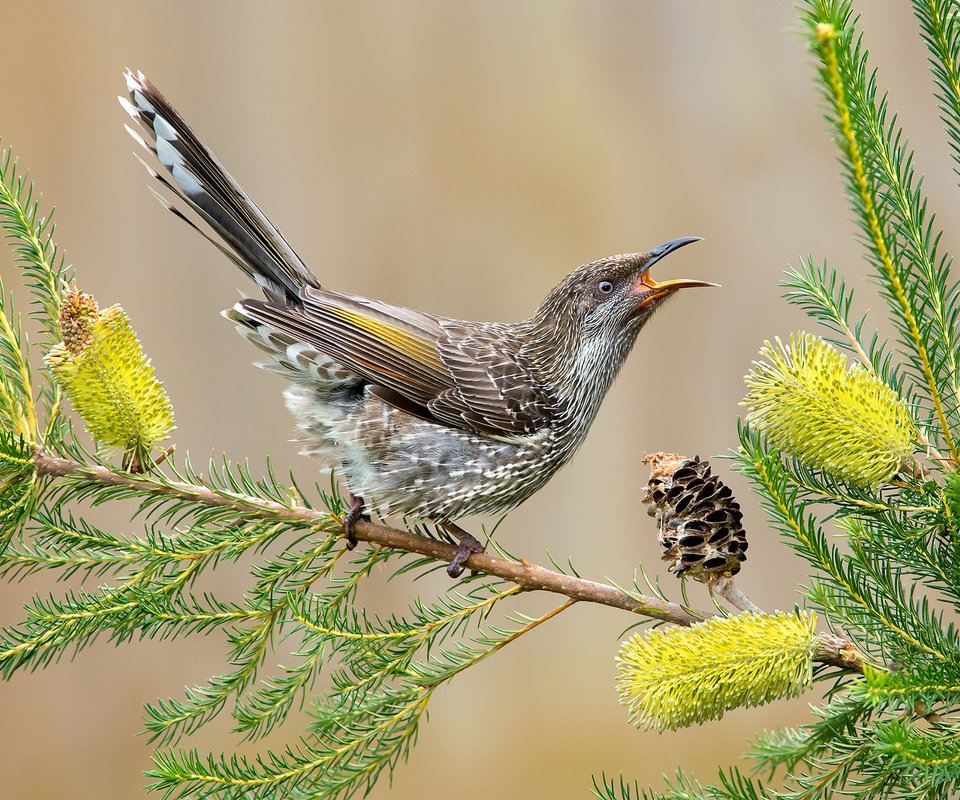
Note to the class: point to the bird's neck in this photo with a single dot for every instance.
(578, 372)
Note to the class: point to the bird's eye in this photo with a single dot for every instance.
(604, 287)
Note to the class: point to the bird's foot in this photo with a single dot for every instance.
(468, 545)
(352, 517)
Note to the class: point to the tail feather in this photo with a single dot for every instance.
(195, 176)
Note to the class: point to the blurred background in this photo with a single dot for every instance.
(459, 157)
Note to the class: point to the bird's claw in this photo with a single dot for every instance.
(468, 545)
(350, 520)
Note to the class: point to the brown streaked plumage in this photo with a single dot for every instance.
(424, 416)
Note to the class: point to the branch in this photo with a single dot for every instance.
(837, 651)
(729, 591)
(529, 577)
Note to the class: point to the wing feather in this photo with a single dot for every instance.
(458, 374)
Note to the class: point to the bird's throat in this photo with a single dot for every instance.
(583, 381)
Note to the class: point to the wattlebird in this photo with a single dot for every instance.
(428, 417)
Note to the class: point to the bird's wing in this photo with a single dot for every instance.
(492, 391)
(444, 371)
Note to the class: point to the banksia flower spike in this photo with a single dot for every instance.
(698, 519)
(843, 421)
(674, 677)
(102, 369)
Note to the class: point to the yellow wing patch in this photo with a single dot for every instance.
(404, 341)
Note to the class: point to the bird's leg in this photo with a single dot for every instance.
(468, 545)
(353, 516)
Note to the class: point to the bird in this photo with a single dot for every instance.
(423, 416)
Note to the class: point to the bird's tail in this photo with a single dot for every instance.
(194, 175)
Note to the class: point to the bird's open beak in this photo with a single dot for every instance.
(647, 289)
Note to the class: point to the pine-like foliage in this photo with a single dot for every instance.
(857, 468)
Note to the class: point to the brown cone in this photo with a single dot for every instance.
(699, 520)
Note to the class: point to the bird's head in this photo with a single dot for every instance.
(608, 301)
(583, 331)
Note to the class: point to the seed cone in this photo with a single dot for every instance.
(699, 520)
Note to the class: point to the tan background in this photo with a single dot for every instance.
(459, 157)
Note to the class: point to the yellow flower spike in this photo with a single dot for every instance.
(825, 32)
(843, 421)
(112, 385)
(673, 677)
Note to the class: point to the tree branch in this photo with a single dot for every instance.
(729, 591)
(529, 577)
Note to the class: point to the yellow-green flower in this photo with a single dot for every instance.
(112, 385)
(844, 421)
(673, 677)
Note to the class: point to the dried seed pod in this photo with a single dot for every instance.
(699, 520)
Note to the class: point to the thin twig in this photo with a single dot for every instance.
(837, 651)
(529, 577)
(729, 591)
(534, 623)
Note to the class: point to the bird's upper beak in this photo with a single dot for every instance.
(646, 289)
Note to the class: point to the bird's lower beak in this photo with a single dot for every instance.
(647, 289)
